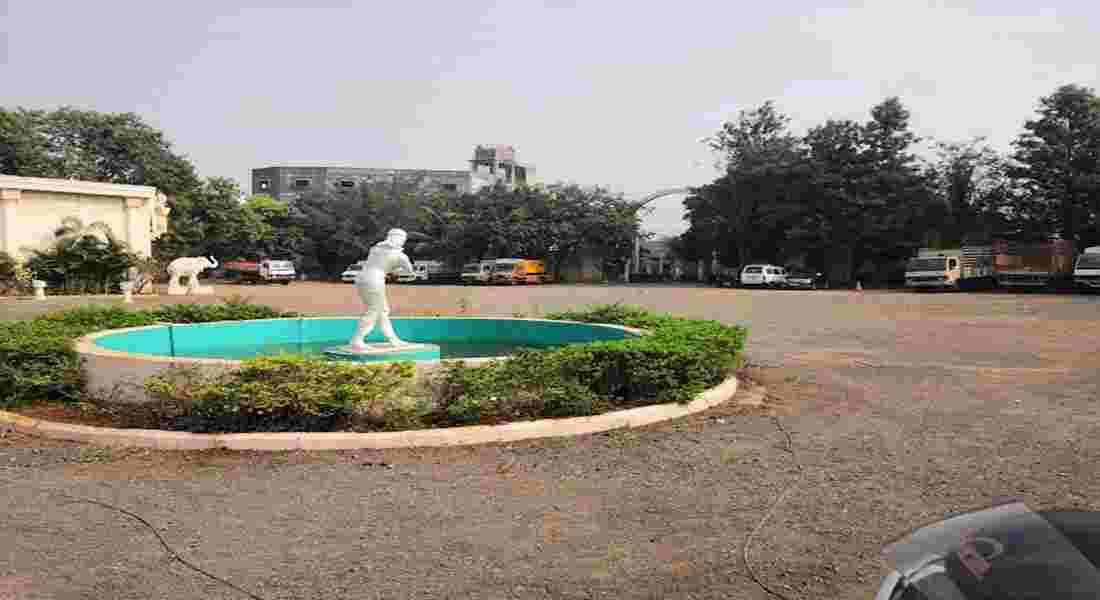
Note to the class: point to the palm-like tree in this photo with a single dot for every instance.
(82, 257)
(75, 228)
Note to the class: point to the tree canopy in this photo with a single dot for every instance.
(845, 193)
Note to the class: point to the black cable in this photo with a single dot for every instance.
(175, 555)
(778, 501)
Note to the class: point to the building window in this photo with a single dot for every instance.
(265, 185)
(347, 183)
(450, 187)
(301, 183)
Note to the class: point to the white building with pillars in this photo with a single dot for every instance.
(31, 210)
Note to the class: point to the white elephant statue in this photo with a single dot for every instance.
(189, 267)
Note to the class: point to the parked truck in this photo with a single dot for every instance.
(963, 268)
(511, 271)
(430, 271)
(1086, 273)
(1032, 265)
(477, 272)
(260, 271)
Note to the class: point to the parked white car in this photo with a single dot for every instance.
(764, 275)
(348, 276)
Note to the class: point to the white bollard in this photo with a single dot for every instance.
(39, 289)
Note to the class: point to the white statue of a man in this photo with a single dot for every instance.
(385, 257)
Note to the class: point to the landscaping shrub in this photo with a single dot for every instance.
(290, 393)
(82, 259)
(678, 359)
(531, 385)
(38, 361)
(14, 279)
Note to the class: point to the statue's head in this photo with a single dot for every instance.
(396, 238)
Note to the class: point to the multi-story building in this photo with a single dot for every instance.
(490, 165)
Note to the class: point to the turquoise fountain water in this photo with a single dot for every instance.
(450, 337)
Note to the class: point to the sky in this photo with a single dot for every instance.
(602, 92)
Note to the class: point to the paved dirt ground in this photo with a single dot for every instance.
(900, 409)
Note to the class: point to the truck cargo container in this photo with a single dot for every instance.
(1032, 265)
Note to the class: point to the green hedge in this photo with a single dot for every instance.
(678, 359)
(38, 361)
(286, 393)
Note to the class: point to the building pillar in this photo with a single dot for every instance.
(138, 243)
(9, 202)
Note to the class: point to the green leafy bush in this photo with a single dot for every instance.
(290, 393)
(14, 279)
(38, 361)
(82, 258)
(532, 384)
(677, 360)
(680, 358)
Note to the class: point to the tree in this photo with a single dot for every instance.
(899, 192)
(212, 221)
(866, 196)
(23, 148)
(281, 235)
(964, 176)
(750, 204)
(79, 144)
(111, 148)
(1058, 158)
(836, 216)
(556, 222)
(339, 228)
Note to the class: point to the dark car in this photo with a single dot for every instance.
(809, 280)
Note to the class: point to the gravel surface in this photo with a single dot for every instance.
(900, 409)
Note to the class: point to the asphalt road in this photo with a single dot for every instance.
(900, 409)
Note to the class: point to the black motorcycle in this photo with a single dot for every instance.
(1004, 553)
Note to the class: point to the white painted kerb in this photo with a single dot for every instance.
(453, 436)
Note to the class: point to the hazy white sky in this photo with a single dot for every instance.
(602, 92)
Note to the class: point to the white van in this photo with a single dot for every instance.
(764, 276)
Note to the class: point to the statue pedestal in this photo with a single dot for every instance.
(385, 352)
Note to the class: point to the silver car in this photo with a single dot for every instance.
(349, 274)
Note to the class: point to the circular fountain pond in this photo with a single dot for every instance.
(456, 337)
(123, 358)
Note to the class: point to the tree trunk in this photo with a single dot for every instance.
(839, 264)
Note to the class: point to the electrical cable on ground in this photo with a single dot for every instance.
(775, 505)
(172, 553)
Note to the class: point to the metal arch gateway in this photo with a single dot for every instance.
(662, 194)
(637, 258)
